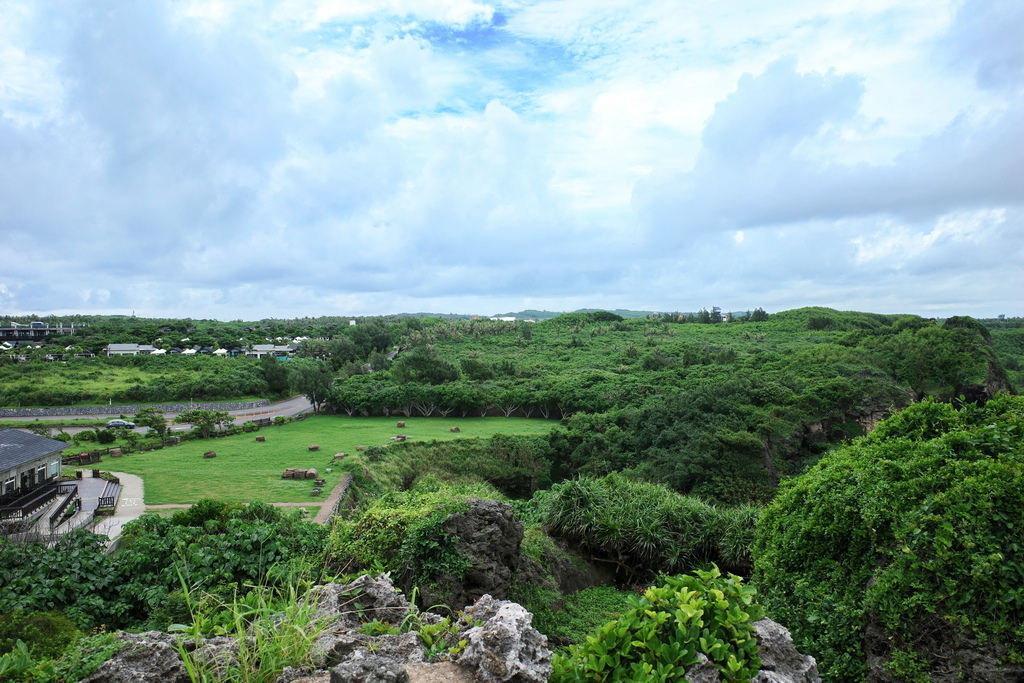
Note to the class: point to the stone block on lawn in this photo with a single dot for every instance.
(210, 454)
(314, 447)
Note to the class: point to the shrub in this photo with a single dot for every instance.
(84, 435)
(402, 533)
(644, 528)
(568, 620)
(45, 634)
(85, 655)
(660, 636)
(915, 528)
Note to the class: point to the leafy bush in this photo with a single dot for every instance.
(84, 435)
(85, 655)
(644, 528)
(402, 533)
(45, 634)
(18, 665)
(73, 576)
(915, 527)
(660, 636)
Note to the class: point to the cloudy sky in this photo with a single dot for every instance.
(229, 159)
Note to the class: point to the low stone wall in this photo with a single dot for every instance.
(128, 410)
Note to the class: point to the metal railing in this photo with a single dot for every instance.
(108, 498)
(29, 503)
(58, 515)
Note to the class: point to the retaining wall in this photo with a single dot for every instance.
(128, 410)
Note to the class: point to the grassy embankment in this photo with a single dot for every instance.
(246, 470)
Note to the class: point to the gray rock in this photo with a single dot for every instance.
(365, 599)
(291, 674)
(490, 536)
(369, 670)
(405, 648)
(506, 648)
(334, 647)
(951, 654)
(346, 607)
(143, 660)
(780, 660)
(704, 671)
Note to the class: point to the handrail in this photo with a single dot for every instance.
(30, 503)
(63, 507)
(108, 498)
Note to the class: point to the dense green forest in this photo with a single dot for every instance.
(720, 406)
(676, 441)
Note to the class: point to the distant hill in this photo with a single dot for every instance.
(545, 315)
(530, 314)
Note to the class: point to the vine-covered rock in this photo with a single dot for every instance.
(908, 541)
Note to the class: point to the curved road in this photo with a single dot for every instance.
(285, 408)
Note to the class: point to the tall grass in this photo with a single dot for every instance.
(273, 629)
(643, 528)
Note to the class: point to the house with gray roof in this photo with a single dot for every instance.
(27, 461)
(129, 349)
(275, 350)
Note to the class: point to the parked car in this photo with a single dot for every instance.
(120, 423)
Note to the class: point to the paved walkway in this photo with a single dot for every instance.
(324, 516)
(89, 490)
(129, 506)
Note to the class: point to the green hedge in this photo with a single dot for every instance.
(917, 524)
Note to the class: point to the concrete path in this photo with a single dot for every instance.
(129, 506)
(324, 516)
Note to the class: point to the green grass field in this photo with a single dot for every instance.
(246, 470)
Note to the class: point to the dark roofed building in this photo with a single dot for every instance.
(27, 461)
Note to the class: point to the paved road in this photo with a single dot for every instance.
(286, 408)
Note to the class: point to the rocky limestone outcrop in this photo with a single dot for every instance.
(951, 654)
(502, 646)
(489, 536)
(780, 660)
(505, 648)
(146, 658)
(153, 657)
(369, 670)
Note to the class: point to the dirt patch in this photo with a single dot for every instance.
(438, 672)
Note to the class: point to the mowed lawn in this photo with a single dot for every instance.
(246, 470)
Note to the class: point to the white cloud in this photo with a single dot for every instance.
(901, 244)
(231, 158)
